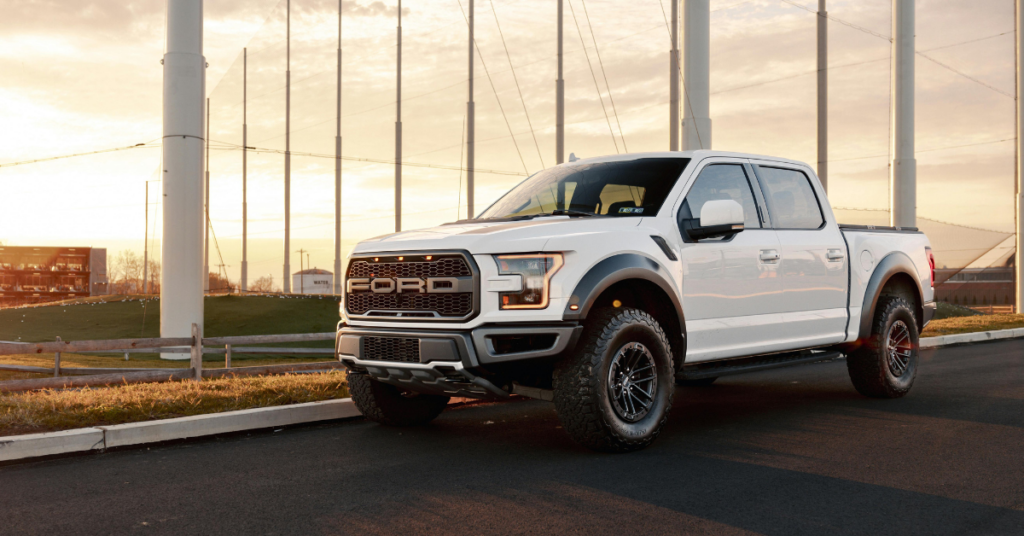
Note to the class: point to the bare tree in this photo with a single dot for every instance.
(263, 284)
(126, 273)
(154, 276)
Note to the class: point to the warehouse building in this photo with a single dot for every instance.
(31, 275)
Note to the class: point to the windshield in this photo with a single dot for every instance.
(620, 189)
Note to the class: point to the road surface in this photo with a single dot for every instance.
(784, 452)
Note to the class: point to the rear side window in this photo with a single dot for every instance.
(791, 199)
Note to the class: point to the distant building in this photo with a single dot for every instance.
(44, 274)
(313, 281)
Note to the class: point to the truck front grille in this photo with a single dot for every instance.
(430, 302)
(391, 349)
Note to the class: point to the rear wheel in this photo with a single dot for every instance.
(614, 393)
(886, 365)
(387, 404)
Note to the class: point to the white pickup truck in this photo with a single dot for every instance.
(604, 283)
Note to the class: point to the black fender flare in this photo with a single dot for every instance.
(894, 263)
(618, 268)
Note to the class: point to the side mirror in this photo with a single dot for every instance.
(718, 218)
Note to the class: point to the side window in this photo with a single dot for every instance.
(722, 181)
(791, 200)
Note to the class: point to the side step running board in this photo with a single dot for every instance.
(729, 367)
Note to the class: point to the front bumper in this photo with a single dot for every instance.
(447, 363)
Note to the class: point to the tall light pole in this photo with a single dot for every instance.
(398, 129)
(181, 288)
(823, 94)
(337, 174)
(471, 125)
(245, 170)
(903, 168)
(696, 75)
(673, 84)
(287, 284)
(206, 206)
(1019, 257)
(559, 98)
(145, 248)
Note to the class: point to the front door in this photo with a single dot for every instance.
(730, 286)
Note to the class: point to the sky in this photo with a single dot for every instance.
(86, 76)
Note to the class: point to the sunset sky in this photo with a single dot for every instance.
(85, 76)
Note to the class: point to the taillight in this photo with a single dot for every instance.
(931, 264)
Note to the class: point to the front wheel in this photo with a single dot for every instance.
(886, 365)
(614, 393)
(386, 404)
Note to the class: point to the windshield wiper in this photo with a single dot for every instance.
(563, 212)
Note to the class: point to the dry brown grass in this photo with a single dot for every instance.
(971, 324)
(52, 410)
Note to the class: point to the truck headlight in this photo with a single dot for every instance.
(536, 270)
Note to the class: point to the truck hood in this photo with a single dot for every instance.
(496, 237)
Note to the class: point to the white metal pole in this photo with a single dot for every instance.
(287, 283)
(903, 170)
(696, 75)
(181, 289)
(206, 206)
(823, 94)
(471, 125)
(1019, 257)
(145, 248)
(337, 174)
(245, 170)
(398, 129)
(673, 84)
(559, 98)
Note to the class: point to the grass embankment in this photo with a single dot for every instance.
(53, 410)
(126, 317)
(972, 324)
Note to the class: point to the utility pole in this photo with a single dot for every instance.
(337, 174)
(673, 85)
(1019, 206)
(696, 75)
(206, 205)
(245, 170)
(287, 285)
(181, 289)
(559, 97)
(471, 125)
(398, 129)
(823, 95)
(145, 248)
(302, 274)
(903, 168)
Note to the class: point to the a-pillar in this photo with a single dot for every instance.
(181, 280)
(903, 168)
(696, 75)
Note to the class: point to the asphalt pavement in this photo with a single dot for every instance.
(785, 452)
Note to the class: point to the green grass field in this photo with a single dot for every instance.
(128, 317)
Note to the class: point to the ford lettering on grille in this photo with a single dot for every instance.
(423, 287)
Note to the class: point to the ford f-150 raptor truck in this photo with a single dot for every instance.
(604, 283)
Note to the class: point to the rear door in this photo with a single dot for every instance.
(730, 287)
(813, 256)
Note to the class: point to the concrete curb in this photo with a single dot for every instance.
(103, 437)
(981, 336)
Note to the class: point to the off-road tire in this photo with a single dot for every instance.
(386, 404)
(869, 365)
(703, 382)
(581, 394)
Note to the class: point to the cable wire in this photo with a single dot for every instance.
(594, 76)
(604, 74)
(516, 78)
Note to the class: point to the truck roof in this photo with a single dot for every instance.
(701, 154)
